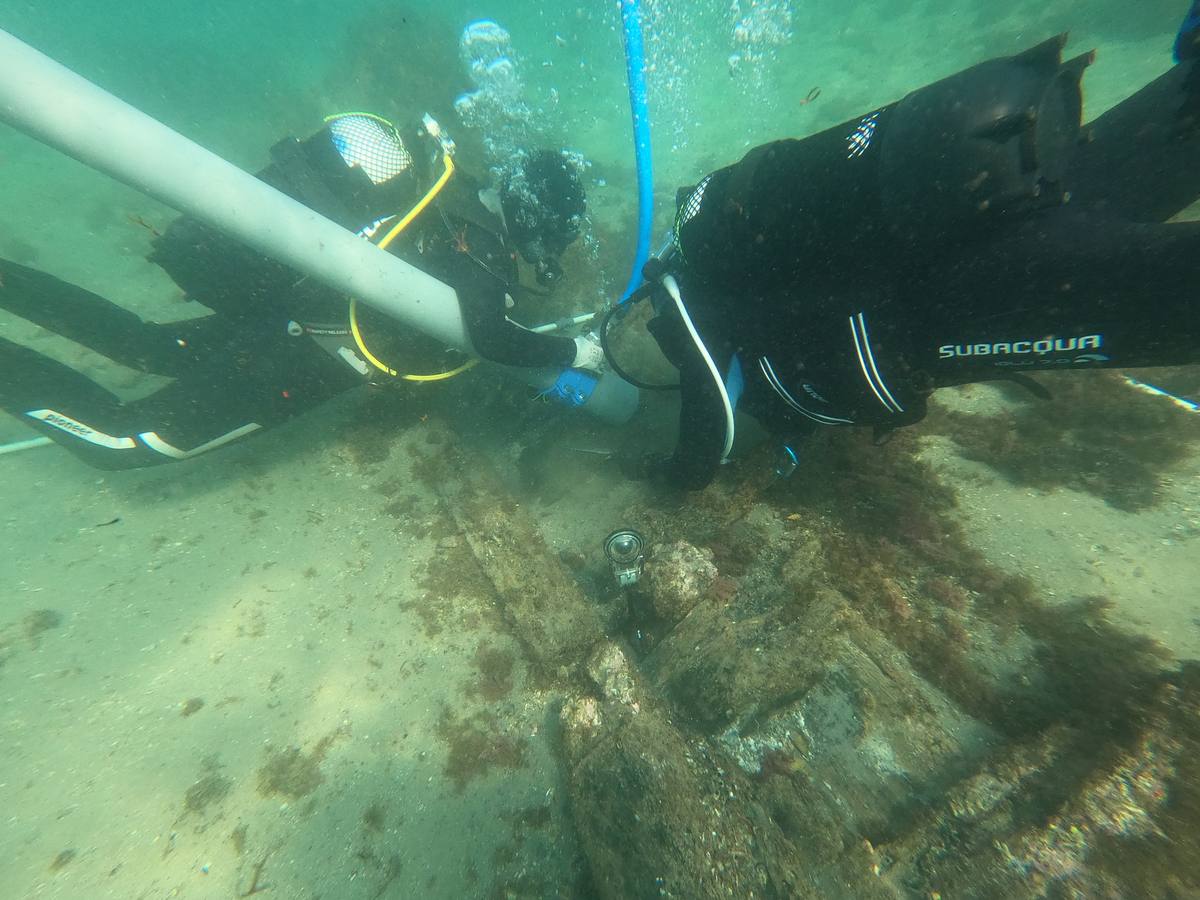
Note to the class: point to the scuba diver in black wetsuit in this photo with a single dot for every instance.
(279, 344)
(969, 232)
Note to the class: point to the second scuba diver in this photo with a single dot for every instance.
(278, 344)
(968, 232)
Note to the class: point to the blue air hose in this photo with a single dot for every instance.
(635, 65)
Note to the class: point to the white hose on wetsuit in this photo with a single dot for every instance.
(672, 287)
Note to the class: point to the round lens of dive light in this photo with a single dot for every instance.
(623, 546)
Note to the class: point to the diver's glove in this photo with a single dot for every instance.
(588, 352)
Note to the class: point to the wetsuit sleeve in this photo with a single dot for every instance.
(701, 413)
(473, 263)
(497, 338)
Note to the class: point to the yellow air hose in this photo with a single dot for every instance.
(387, 239)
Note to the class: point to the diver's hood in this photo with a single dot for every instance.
(543, 202)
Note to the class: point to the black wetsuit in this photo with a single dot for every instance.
(851, 305)
(277, 344)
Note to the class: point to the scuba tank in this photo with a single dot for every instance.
(941, 165)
